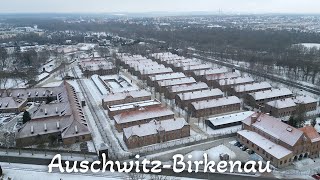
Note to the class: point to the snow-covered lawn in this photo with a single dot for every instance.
(213, 154)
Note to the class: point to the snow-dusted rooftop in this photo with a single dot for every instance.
(96, 64)
(267, 145)
(304, 99)
(68, 118)
(151, 71)
(311, 133)
(277, 129)
(11, 102)
(172, 82)
(252, 87)
(188, 87)
(200, 94)
(127, 94)
(196, 67)
(271, 93)
(235, 81)
(134, 105)
(161, 77)
(282, 103)
(184, 62)
(210, 71)
(142, 113)
(153, 127)
(216, 102)
(222, 76)
(230, 118)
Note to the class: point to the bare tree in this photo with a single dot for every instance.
(3, 57)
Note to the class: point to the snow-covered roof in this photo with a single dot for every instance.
(221, 76)
(311, 133)
(304, 99)
(282, 103)
(65, 116)
(142, 61)
(216, 102)
(277, 129)
(154, 127)
(142, 113)
(161, 77)
(267, 145)
(151, 71)
(123, 95)
(210, 71)
(235, 81)
(134, 105)
(96, 64)
(230, 118)
(184, 62)
(188, 87)
(200, 94)
(196, 67)
(145, 67)
(270, 93)
(172, 82)
(11, 102)
(252, 87)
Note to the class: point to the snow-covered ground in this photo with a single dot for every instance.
(213, 154)
(311, 45)
(50, 66)
(13, 83)
(43, 76)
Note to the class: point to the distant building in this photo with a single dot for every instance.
(214, 106)
(141, 116)
(99, 66)
(280, 108)
(172, 91)
(152, 80)
(185, 99)
(200, 75)
(121, 108)
(242, 90)
(213, 79)
(155, 132)
(309, 103)
(163, 85)
(257, 99)
(227, 84)
(125, 97)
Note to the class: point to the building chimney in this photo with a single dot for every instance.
(254, 118)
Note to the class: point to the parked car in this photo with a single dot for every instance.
(238, 144)
(249, 151)
(243, 148)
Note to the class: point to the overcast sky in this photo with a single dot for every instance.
(100, 6)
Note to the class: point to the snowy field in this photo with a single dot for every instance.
(311, 45)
